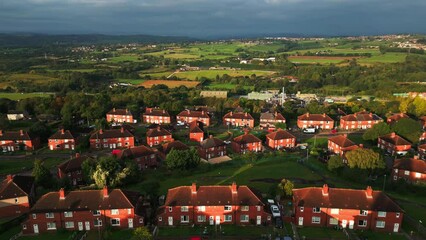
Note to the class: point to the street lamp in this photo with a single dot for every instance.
(384, 183)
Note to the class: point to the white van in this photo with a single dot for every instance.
(309, 130)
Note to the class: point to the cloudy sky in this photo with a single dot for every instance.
(214, 18)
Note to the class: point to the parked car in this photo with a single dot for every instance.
(309, 130)
(275, 211)
(279, 222)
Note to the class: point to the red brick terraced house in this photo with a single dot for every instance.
(188, 116)
(157, 136)
(319, 121)
(393, 144)
(119, 116)
(72, 170)
(196, 132)
(423, 121)
(156, 116)
(62, 140)
(16, 195)
(144, 157)
(212, 205)
(85, 210)
(341, 144)
(112, 139)
(11, 141)
(246, 143)
(359, 120)
(410, 169)
(422, 151)
(396, 117)
(280, 139)
(268, 120)
(348, 208)
(238, 119)
(212, 147)
(422, 136)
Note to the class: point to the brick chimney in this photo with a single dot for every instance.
(230, 114)
(127, 110)
(188, 111)
(21, 132)
(416, 157)
(77, 155)
(345, 135)
(369, 192)
(361, 145)
(401, 114)
(113, 109)
(101, 131)
(323, 115)
(210, 136)
(234, 188)
(325, 190)
(1, 132)
(202, 113)
(371, 115)
(246, 114)
(158, 128)
(393, 135)
(122, 129)
(194, 188)
(105, 192)
(9, 177)
(61, 194)
(62, 131)
(307, 114)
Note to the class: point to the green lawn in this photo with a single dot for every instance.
(223, 230)
(380, 236)
(15, 165)
(56, 235)
(131, 81)
(112, 235)
(226, 86)
(321, 233)
(211, 74)
(19, 96)
(10, 232)
(124, 58)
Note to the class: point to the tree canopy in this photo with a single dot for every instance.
(182, 159)
(286, 187)
(376, 131)
(335, 162)
(408, 128)
(364, 159)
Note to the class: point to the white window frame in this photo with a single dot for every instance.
(228, 218)
(245, 208)
(363, 212)
(170, 209)
(115, 212)
(117, 222)
(334, 221)
(201, 218)
(184, 208)
(364, 223)
(316, 210)
(227, 208)
(51, 226)
(201, 208)
(34, 216)
(50, 215)
(96, 212)
(380, 225)
(334, 211)
(397, 214)
(244, 218)
(69, 224)
(381, 214)
(68, 214)
(316, 220)
(302, 209)
(97, 222)
(182, 219)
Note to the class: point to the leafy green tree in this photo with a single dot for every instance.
(281, 125)
(335, 162)
(182, 159)
(142, 233)
(408, 128)
(363, 158)
(286, 187)
(41, 174)
(376, 131)
(111, 172)
(41, 130)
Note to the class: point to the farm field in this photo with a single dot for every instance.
(19, 96)
(169, 83)
(211, 74)
(131, 81)
(124, 58)
(319, 59)
(226, 86)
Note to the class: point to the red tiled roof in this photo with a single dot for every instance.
(247, 138)
(189, 113)
(119, 111)
(280, 134)
(111, 133)
(16, 186)
(422, 147)
(271, 116)
(344, 199)
(195, 127)
(410, 164)
(211, 196)
(397, 116)
(156, 132)
(73, 164)
(362, 116)
(177, 145)
(156, 112)
(14, 135)
(314, 117)
(342, 141)
(394, 139)
(84, 200)
(211, 142)
(62, 134)
(238, 115)
(136, 152)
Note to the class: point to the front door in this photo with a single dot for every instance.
(87, 226)
(211, 220)
(170, 221)
(217, 220)
(344, 223)
(80, 226)
(130, 220)
(300, 221)
(351, 224)
(258, 220)
(396, 227)
(35, 226)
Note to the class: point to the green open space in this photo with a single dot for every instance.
(211, 74)
(15, 165)
(226, 86)
(125, 58)
(19, 96)
(321, 233)
(10, 232)
(57, 235)
(380, 236)
(216, 232)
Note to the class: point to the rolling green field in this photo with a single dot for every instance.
(211, 74)
(19, 96)
(124, 58)
(226, 86)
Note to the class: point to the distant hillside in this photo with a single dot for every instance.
(83, 39)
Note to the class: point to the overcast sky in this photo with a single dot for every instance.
(214, 18)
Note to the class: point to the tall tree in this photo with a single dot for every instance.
(376, 131)
(41, 174)
(286, 187)
(142, 233)
(182, 159)
(363, 158)
(335, 162)
(408, 128)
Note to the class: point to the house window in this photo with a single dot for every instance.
(96, 212)
(129, 211)
(244, 208)
(228, 208)
(115, 222)
(397, 215)
(24, 227)
(97, 223)
(68, 214)
(363, 212)
(407, 173)
(34, 216)
(184, 219)
(170, 209)
(114, 211)
(201, 208)
(258, 208)
(316, 220)
(49, 215)
(244, 218)
(201, 218)
(16, 200)
(418, 175)
(160, 219)
(69, 224)
(316, 210)
(302, 209)
(228, 218)
(380, 224)
(334, 221)
(140, 220)
(362, 223)
(184, 209)
(334, 211)
(51, 226)
(381, 214)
